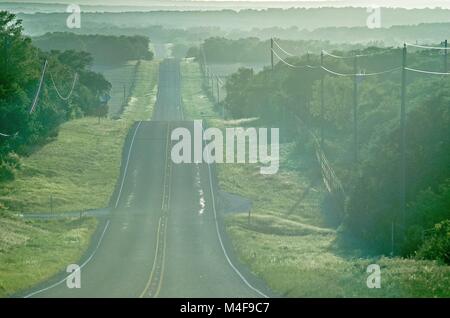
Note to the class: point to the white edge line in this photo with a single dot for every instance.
(126, 165)
(106, 225)
(82, 265)
(220, 239)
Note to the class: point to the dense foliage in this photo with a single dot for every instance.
(372, 184)
(104, 49)
(254, 50)
(333, 24)
(21, 65)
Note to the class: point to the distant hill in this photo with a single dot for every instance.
(24, 6)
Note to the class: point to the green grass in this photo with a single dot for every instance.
(33, 251)
(299, 259)
(287, 242)
(119, 76)
(196, 103)
(79, 169)
(141, 103)
(76, 171)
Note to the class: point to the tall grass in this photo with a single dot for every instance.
(287, 242)
(75, 172)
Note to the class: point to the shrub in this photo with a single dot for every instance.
(437, 246)
(8, 166)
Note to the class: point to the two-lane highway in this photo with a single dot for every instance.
(162, 238)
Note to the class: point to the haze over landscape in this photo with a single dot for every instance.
(227, 149)
(241, 4)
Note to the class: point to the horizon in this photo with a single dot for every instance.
(247, 4)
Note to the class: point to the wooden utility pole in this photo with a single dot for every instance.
(403, 140)
(355, 110)
(322, 103)
(218, 90)
(5, 52)
(271, 52)
(124, 95)
(446, 56)
(212, 85)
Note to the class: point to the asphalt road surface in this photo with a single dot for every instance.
(162, 237)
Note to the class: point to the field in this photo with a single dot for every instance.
(287, 242)
(75, 172)
(121, 78)
(79, 169)
(33, 251)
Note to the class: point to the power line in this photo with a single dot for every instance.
(38, 92)
(8, 135)
(337, 56)
(342, 57)
(425, 71)
(75, 78)
(283, 50)
(360, 74)
(427, 47)
(293, 66)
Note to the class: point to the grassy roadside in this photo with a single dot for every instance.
(79, 169)
(287, 243)
(32, 251)
(120, 76)
(75, 172)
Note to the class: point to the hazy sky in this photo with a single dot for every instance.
(397, 3)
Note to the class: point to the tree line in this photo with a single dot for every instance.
(372, 221)
(105, 49)
(251, 49)
(21, 66)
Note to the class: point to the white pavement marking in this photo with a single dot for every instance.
(220, 239)
(106, 225)
(126, 164)
(82, 265)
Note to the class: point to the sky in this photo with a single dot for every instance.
(258, 3)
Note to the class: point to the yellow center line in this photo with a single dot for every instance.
(163, 220)
(166, 221)
(163, 263)
(154, 262)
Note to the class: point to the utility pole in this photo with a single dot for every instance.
(446, 56)
(271, 52)
(212, 85)
(403, 140)
(322, 103)
(355, 110)
(5, 52)
(218, 90)
(6, 60)
(392, 238)
(124, 95)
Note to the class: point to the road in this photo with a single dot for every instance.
(162, 237)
